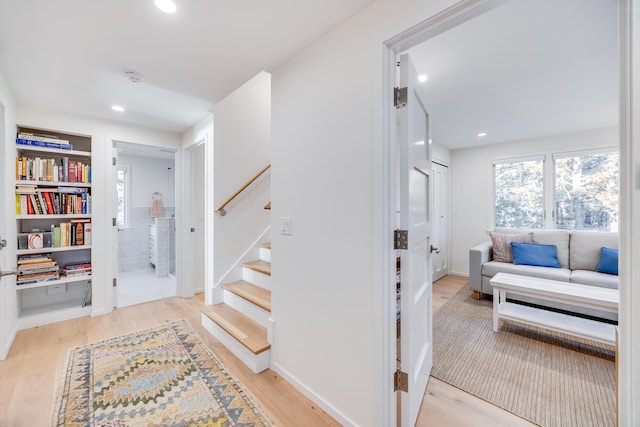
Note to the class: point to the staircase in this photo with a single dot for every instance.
(241, 320)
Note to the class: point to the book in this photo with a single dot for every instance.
(73, 171)
(43, 144)
(79, 234)
(87, 233)
(49, 201)
(42, 137)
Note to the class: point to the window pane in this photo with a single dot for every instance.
(519, 197)
(121, 188)
(587, 192)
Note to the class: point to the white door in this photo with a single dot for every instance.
(440, 221)
(415, 217)
(117, 189)
(198, 216)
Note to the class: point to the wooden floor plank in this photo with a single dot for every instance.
(252, 293)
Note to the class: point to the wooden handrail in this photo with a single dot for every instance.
(220, 209)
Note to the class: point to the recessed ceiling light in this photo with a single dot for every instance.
(167, 6)
(482, 134)
(117, 108)
(422, 78)
(430, 141)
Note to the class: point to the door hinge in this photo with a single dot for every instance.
(113, 161)
(400, 239)
(115, 282)
(114, 222)
(400, 97)
(400, 381)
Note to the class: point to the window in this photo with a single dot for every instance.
(582, 192)
(519, 193)
(587, 191)
(122, 188)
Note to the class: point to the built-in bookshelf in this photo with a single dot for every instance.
(53, 186)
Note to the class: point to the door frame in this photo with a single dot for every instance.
(391, 48)
(628, 385)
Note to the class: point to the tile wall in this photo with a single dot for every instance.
(133, 242)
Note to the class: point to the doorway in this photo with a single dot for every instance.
(146, 215)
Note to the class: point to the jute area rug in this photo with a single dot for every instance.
(162, 376)
(549, 379)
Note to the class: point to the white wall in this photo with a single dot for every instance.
(326, 299)
(8, 302)
(147, 176)
(471, 177)
(102, 132)
(241, 148)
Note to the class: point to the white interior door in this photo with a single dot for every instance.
(440, 221)
(198, 216)
(415, 217)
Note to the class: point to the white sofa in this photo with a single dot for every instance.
(578, 256)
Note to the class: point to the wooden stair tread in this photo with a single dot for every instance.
(252, 293)
(249, 333)
(260, 266)
(265, 245)
(268, 206)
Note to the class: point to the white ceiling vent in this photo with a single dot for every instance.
(134, 76)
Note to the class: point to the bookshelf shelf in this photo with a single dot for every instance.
(53, 151)
(52, 216)
(36, 191)
(54, 184)
(53, 282)
(52, 250)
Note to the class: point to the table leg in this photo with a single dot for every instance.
(496, 305)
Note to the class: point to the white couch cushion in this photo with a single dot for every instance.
(559, 238)
(584, 248)
(593, 278)
(492, 268)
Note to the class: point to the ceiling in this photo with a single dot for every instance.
(71, 55)
(525, 69)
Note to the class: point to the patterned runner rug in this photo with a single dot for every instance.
(550, 379)
(162, 376)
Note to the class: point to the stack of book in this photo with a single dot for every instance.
(37, 268)
(75, 270)
(42, 140)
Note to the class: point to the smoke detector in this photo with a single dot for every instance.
(134, 77)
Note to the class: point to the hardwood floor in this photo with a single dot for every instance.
(444, 405)
(30, 375)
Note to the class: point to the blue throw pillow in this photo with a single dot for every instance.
(533, 254)
(608, 261)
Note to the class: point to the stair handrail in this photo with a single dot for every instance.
(220, 209)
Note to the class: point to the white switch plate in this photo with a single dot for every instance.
(285, 225)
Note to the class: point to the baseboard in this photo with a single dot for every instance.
(8, 344)
(323, 404)
(459, 273)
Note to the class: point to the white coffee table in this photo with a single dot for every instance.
(578, 295)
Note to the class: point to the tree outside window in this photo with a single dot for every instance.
(587, 192)
(519, 194)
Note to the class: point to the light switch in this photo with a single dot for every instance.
(285, 226)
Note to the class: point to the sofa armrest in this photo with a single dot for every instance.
(478, 255)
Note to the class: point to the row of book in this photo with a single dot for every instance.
(43, 140)
(49, 170)
(77, 232)
(37, 268)
(31, 200)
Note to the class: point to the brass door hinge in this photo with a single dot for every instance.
(400, 239)
(400, 97)
(400, 381)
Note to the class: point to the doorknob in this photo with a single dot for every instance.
(434, 249)
(3, 244)
(8, 273)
